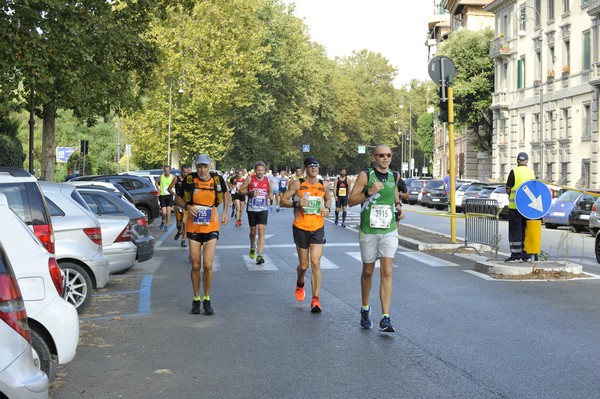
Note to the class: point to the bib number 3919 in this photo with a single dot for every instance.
(381, 216)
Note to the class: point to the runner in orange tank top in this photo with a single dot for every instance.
(197, 195)
(311, 201)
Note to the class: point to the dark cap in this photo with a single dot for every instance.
(310, 160)
(203, 159)
(522, 156)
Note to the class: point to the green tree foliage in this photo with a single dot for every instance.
(211, 54)
(11, 150)
(89, 57)
(473, 83)
(425, 134)
(369, 102)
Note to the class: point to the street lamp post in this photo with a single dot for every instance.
(522, 33)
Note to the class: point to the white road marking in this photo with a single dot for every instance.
(428, 260)
(253, 267)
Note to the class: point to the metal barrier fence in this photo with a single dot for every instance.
(481, 223)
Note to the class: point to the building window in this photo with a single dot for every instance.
(566, 8)
(549, 172)
(538, 13)
(586, 133)
(551, 127)
(521, 73)
(564, 130)
(585, 173)
(538, 66)
(522, 130)
(536, 127)
(586, 51)
(564, 171)
(584, 3)
(550, 10)
(536, 169)
(523, 19)
(567, 53)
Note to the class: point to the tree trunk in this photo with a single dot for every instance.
(48, 144)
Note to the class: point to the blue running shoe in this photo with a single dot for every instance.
(162, 224)
(385, 325)
(365, 320)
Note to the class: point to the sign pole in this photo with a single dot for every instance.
(451, 164)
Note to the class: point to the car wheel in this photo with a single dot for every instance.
(411, 202)
(440, 208)
(550, 226)
(146, 213)
(79, 285)
(42, 357)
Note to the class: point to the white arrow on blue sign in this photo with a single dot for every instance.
(533, 199)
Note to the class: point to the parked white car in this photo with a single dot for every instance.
(54, 323)
(19, 377)
(78, 242)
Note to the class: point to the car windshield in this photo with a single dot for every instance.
(464, 187)
(435, 184)
(568, 196)
(500, 190)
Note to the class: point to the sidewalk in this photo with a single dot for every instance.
(420, 239)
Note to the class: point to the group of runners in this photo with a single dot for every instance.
(198, 195)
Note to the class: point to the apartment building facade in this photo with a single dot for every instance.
(547, 78)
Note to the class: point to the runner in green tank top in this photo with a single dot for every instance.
(376, 189)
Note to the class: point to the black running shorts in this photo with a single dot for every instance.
(304, 238)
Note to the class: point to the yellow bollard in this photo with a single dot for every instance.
(533, 236)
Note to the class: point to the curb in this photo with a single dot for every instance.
(493, 267)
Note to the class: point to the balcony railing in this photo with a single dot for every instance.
(500, 99)
(499, 48)
(595, 74)
(594, 8)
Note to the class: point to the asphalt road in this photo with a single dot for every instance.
(458, 335)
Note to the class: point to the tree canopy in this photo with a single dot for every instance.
(473, 83)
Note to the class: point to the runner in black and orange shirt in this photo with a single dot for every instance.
(311, 201)
(198, 195)
(341, 191)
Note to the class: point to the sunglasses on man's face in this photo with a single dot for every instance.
(383, 155)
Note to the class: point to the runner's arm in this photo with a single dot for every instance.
(244, 189)
(172, 186)
(286, 200)
(358, 194)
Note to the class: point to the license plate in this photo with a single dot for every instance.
(558, 214)
(435, 200)
(584, 217)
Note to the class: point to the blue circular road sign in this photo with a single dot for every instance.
(533, 199)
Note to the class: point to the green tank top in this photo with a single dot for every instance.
(164, 184)
(377, 212)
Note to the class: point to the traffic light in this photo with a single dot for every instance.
(443, 103)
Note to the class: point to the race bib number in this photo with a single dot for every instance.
(381, 216)
(342, 192)
(314, 206)
(283, 184)
(203, 215)
(238, 185)
(258, 202)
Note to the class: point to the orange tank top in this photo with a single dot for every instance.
(203, 198)
(310, 218)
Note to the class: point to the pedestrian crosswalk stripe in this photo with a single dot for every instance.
(356, 255)
(327, 264)
(428, 260)
(253, 267)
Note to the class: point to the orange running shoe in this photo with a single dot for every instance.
(299, 293)
(315, 306)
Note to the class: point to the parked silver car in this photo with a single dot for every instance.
(116, 243)
(19, 377)
(102, 202)
(78, 242)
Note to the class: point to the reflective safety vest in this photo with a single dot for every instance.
(522, 174)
